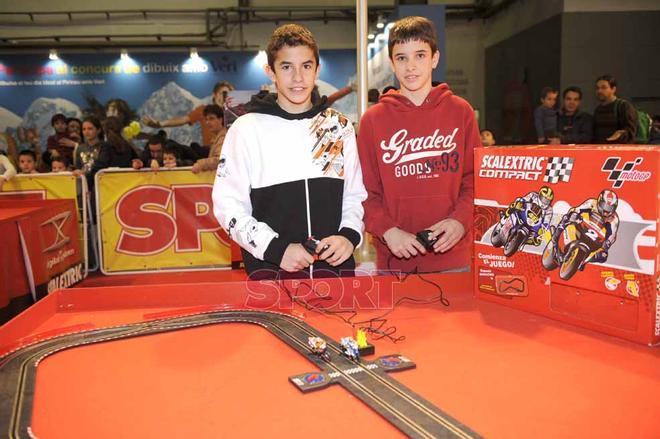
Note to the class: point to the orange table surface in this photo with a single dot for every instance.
(502, 372)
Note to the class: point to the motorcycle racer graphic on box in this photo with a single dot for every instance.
(524, 221)
(588, 232)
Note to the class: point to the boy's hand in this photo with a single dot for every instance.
(403, 244)
(337, 249)
(154, 165)
(449, 232)
(137, 164)
(296, 258)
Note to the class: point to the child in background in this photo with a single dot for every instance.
(59, 144)
(170, 158)
(27, 162)
(28, 138)
(59, 164)
(545, 116)
(487, 137)
(7, 170)
(74, 129)
(88, 151)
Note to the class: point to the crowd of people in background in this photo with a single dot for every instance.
(614, 120)
(94, 143)
(86, 146)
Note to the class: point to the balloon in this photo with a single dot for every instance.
(131, 130)
(135, 128)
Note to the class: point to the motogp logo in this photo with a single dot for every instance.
(625, 173)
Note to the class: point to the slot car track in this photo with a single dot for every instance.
(409, 412)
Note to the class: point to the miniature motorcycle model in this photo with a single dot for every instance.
(582, 238)
(518, 229)
(350, 348)
(319, 347)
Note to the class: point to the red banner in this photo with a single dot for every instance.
(40, 251)
(571, 259)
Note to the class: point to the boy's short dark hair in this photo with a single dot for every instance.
(60, 159)
(609, 78)
(73, 119)
(413, 29)
(28, 152)
(56, 118)
(213, 109)
(291, 35)
(574, 89)
(219, 85)
(155, 139)
(547, 90)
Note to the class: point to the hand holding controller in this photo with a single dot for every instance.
(425, 237)
(311, 244)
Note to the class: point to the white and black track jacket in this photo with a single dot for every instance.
(284, 177)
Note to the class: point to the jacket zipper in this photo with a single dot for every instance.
(309, 223)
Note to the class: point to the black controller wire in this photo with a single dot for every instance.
(377, 327)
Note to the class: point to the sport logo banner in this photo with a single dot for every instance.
(153, 221)
(626, 173)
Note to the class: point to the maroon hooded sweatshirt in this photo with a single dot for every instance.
(417, 164)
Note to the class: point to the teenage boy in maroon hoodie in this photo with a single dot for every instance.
(416, 149)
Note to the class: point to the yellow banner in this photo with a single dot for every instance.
(42, 187)
(158, 220)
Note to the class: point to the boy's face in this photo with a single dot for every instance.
(169, 161)
(549, 100)
(294, 73)
(487, 138)
(73, 127)
(57, 166)
(413, 64)
(60, 126)
(26, 163)
(213, 122)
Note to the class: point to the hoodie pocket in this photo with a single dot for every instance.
(418, 213)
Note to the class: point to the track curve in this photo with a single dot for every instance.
(409, 412)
